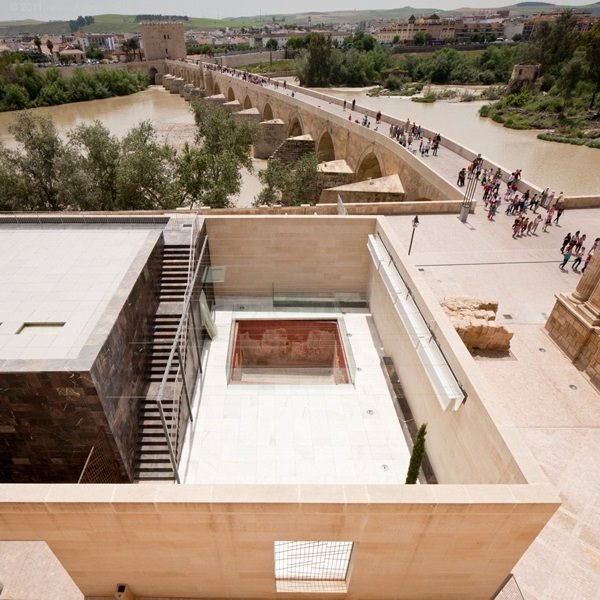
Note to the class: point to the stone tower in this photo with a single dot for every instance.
(163, 39)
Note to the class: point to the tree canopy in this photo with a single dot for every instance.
(93, 170)
(289, 185)
(22, 85)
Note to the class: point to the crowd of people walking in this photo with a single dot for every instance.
(523, 206)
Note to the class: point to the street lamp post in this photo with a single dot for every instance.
(470, 189)
(415, 224)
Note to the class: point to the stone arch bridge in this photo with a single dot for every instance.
(358, 163)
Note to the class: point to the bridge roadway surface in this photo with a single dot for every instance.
(446, 164)
(552, 403)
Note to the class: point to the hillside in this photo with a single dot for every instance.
(107, 24)
(127, 24)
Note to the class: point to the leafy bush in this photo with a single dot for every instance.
(30, 87)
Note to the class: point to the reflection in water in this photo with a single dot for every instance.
(572, 169)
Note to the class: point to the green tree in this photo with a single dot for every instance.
(50, 47)
(210, 173)
(573, 72)
(290, 185)
(272, 44)
(417, 455)
(38, 44)
(297, 43)
(147, 172)
(315, 68)
(555, 42)
(422, 38)
(94, 53)
(591, 44)
(43, 163)
(362, 42)
(15, 97)
(95, 179)
(130, 47)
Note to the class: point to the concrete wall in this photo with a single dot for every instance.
(193, 541)
(250, 58)
(452, 541)
(470, 445)
(303, 255)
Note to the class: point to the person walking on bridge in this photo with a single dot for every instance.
(353, 104)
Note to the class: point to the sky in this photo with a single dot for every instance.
(46, 10)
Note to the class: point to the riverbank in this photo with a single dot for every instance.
(170, 115)
(574, 171)
(571, 123)
(25, 86)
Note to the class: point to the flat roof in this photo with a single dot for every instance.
(295, 433)
(56, 283)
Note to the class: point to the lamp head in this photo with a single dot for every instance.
(415, 222)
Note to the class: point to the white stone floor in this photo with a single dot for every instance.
(296, 434)
(59, 276)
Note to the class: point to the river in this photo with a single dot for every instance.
(170, 114)
(574, 169)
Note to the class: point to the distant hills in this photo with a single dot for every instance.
(127, 23)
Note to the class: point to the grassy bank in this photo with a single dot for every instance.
(566, 120)
(277, 66)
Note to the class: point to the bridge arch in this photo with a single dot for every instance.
(247, 103)
(216, 89)
(152, 73)
(296, 128)
(325, 148)
(369, 167)
(230, 95)
(267, 113)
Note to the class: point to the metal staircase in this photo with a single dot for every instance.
(153, 462)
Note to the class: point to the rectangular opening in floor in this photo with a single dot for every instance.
(288, 351)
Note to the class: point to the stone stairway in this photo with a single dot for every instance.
(293, 149)
(152, 458)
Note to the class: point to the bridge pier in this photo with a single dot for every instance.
(271, 134)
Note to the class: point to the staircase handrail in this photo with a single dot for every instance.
(186, 303)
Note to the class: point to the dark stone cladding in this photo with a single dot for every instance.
(52, 412)
(48, 424)
(120, 371)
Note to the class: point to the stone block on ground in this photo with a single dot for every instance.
(475, 322)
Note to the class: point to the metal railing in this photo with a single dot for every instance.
(185, 379)
(99, 467)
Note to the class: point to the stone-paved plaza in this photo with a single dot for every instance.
(552, 403)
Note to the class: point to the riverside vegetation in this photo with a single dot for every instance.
(94, 170)
(23, 85)
(564, 99)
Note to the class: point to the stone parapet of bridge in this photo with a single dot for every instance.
(369, 154)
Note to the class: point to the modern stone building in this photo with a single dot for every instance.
(163, 40)
(257, 382)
